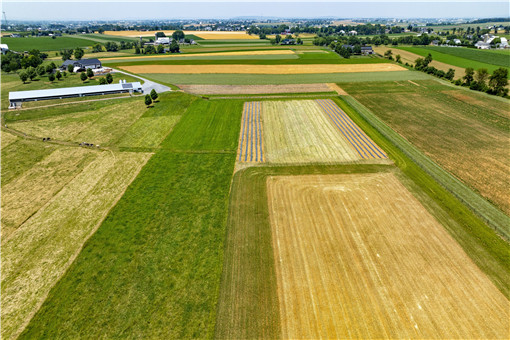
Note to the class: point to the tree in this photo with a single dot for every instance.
(178, 35)
(299, 41)
(160, 35)
(102, 81)
(160, 49)
(78, 53)
(148, 100)
(111, 46)
(428, 60)
(70, 68)
(450, 74)
(468, 77)
(137, 50)
(278, 38)
(398, 59)
(498, 80)
(51, 77)
(58, 75)
(109, 78)
(83, 76)
(31, 73)
(90, 73)
(66, 54)
(64, 74)
(154, 95)
(174, 46)
(388, 54)
(481, 76)
(150, 49)
(97, 48)
(23, 75)
(40, 70)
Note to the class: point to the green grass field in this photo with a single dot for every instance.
(493, 57)
(454, 59)
(159, 252)
(263, 79)
(46, 43)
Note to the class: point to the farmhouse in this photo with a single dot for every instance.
(82, 64)
(288, 42)
(18, 97)
(163, 41)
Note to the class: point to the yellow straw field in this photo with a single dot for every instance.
(358, 256)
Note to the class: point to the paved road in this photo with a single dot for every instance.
(148, 85)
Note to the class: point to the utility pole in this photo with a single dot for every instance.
(5, 19)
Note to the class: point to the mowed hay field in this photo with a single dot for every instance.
(264, 69)
(357, 256)
(254, 89)
(302, 131)
(47, 214)
(465, 132)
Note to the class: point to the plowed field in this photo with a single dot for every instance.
(357, 256)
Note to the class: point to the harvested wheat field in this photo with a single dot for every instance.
(255, 89)
(264, 69)
(297, 131)
(357, 256)
(41, 249)
(251, 146)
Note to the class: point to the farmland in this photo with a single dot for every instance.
(453, 114)
(46, 43)
(304, 242)
(284, 192)
(461, 59)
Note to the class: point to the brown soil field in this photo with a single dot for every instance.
(264, 69)
(409, 57)
(358, 256)
(39, 252)
(298, 131)
(255, 89)
(201, 34)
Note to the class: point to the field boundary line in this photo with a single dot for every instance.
(481, 207)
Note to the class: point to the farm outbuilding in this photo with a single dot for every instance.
(18, 97)
(82, 64)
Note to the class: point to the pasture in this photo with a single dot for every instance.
(387, 278)
(493, 57)
(470, 129)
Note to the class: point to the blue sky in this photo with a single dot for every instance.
(128, 10)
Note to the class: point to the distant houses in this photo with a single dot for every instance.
(82, 64)
(367, 50)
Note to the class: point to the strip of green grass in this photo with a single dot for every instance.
(207, 125)
(451, 59)
(46, 43)
(485, 247)
(275, 79)
(248, 305)
(153, 268)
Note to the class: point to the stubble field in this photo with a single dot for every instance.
(357, 256)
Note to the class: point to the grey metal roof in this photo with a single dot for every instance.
(84, 62)
(69, 91)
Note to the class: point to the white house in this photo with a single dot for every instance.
(353, 33)
(457, 41)
(483, 45)
(504, 43)
(163, 41)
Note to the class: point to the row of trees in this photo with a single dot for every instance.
(15, 61)
(32, 73)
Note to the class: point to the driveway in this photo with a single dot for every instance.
(148, 85)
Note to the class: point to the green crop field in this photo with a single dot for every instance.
(454, 59)
(496, 57)
(263, 79)
(46, 43)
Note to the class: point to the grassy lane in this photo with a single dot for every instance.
(485, 247)
(248, 302)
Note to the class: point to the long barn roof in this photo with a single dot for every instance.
(69, 91)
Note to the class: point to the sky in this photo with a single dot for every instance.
(132, 10)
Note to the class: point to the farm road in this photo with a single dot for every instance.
(148, 85)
